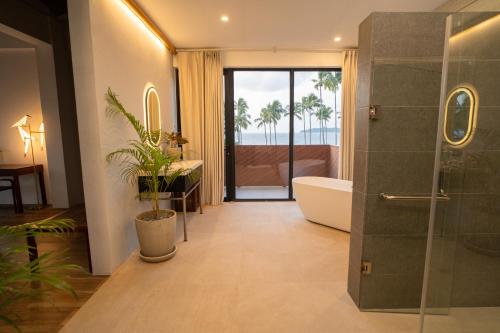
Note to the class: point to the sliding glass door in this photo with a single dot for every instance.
(279, 122)
(316, 123)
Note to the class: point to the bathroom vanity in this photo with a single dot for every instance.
(186, 183)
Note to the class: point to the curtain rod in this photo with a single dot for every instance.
(273, 49)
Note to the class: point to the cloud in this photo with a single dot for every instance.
(262, 81)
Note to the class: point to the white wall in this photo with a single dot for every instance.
(20, 95)
(110, 49)
(281, 59)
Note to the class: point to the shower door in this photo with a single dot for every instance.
(461, 292)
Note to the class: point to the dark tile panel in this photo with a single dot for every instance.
(364, 85)
(400, 172)
(487, 133)
(354, 273)
(443, 253)
(483, 75)
(440, 288)
(358, 211)
(480, 214)
(466, 171)
(355, 248)
(481, 43)
(476, 289)
(359, 171)
(353, 282)
(441, 274)
(365, 41)
(404, 129)
(477, 253)
(391, 291)
(401, 217)
(361, 129)
(398, 254)
(466, 180)
(399, 35)
(452, 216)
(402, 83)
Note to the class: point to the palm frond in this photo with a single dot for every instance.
(17, 274)
(115, 107)
(141, 157)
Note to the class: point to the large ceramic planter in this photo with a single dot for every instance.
(156, 237)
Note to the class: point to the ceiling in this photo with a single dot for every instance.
(310, 24)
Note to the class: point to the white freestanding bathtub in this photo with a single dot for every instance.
(325, 200)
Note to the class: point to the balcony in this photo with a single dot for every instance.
(262, 170)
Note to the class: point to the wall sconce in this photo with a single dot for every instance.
(27, 135)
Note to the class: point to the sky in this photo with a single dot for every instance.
(259, 88)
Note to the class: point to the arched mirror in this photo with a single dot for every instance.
(460, 116)
(152, 114)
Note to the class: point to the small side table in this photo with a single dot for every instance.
(16, 170)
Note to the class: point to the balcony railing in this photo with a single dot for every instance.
(267, 165)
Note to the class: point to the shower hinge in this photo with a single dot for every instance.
(372, 112)
(366, 267)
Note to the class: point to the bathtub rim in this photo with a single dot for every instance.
(327, 183)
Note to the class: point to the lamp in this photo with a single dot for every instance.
(24, 127)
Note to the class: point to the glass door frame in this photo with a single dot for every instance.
(229, 144)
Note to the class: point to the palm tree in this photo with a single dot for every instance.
(332, 83)
(324, 113)
(299, 113)
(241, 119)
(275, 110)
(310, 102)
(263, 120)
(319, 83)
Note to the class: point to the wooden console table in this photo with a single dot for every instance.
(16, 170)
(185, 184)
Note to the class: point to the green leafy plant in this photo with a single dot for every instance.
(21, 279)
(141, 158)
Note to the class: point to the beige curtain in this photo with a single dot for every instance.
(349, 75)
(200, 91)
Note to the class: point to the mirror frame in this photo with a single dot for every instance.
(149, 90)
(471, 125)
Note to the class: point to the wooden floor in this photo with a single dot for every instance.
(48, 314)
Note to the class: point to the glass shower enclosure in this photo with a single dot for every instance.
(461, 289)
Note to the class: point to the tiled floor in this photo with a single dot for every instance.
(465, 320)
(247, 267)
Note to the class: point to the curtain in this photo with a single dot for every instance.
(201, 103)
(349, 75)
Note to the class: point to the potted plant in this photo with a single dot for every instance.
(22, 280)
(156, 229)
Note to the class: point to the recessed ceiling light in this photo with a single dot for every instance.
(224, 18)
(337, 39)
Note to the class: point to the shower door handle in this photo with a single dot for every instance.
(392, 197)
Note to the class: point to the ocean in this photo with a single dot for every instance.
(283, 138)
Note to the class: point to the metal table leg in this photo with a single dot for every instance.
(184, 214)
(200, 198)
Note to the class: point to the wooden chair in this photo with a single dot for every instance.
(7, 184)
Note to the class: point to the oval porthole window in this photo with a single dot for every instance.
(460, 116)
(152, 114)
